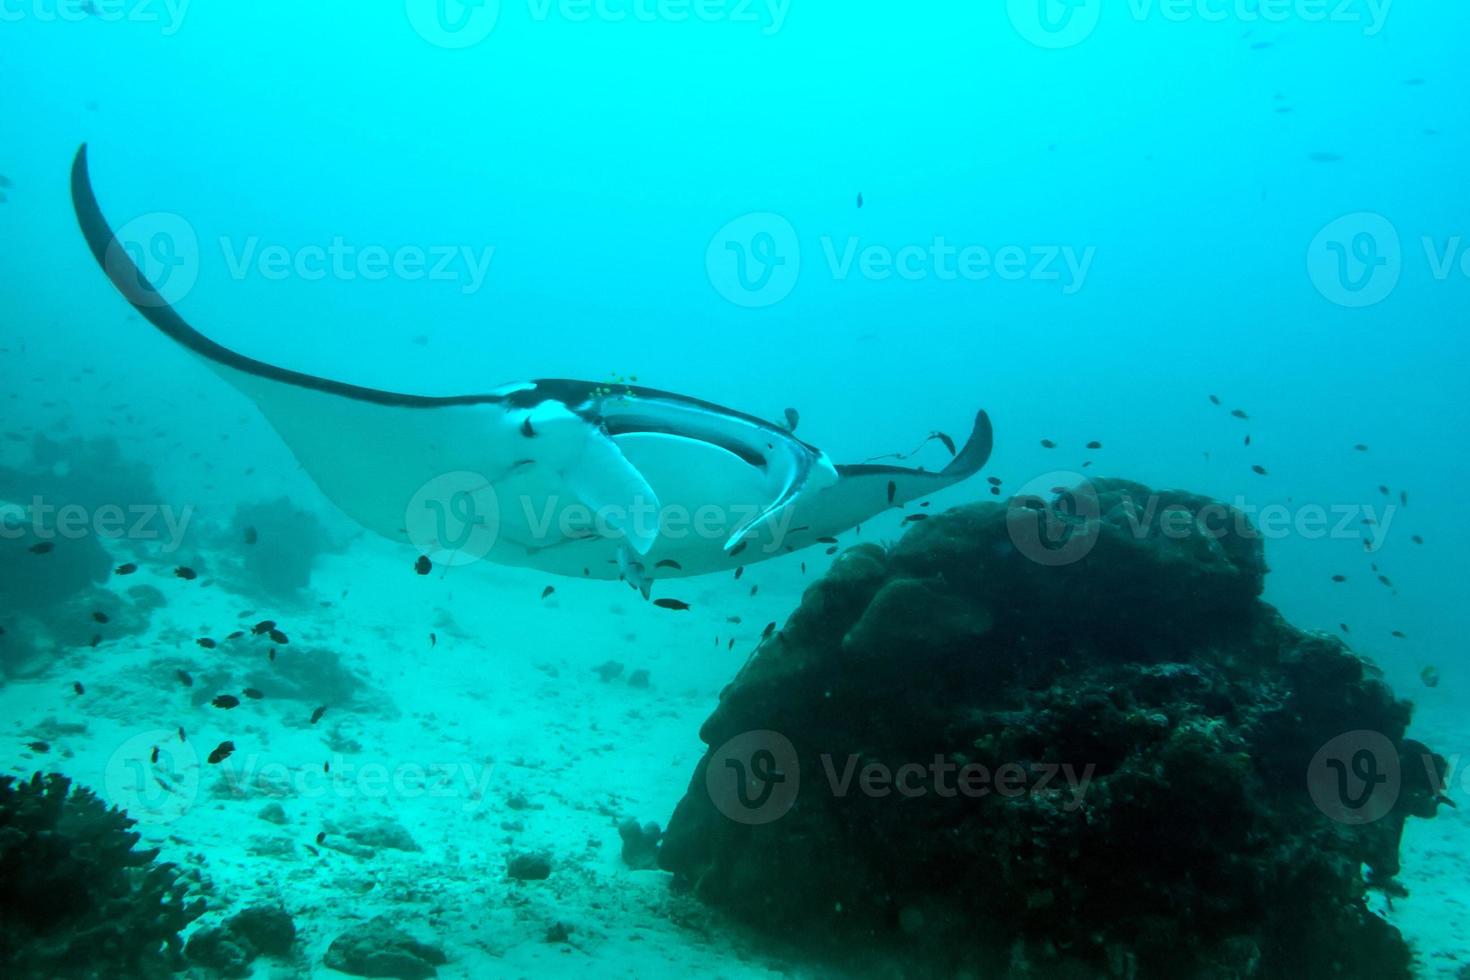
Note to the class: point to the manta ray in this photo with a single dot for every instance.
(570, 477)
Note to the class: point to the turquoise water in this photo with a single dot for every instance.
(1085, 218)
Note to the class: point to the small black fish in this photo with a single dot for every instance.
(995, 491)
(1403, 498)
(184, 677)
(262, 627)
(1259, 469)
(433, 640)
(153, 756)
(1048, 444)
(1214, 399)
(77, 686)
(423, 566)
(272, 655)
(1094, 444)
(1339, 578)
(206, 643)
(321, 836)
(1247, 439)
(739, 571)
(738, 548)
(278, 637)
(526, 429)
(96, 639)
(860, 199)
(326, 767)
(669, 563)
(1430, 676)
(252, 693)
(226, 701)
(1416, 539)
(1344, 627)
(1385, 581)
(1361, 448)
(251, 535)
(793, 418)
(770, 628)
(235, 635)
(100, 617)
(892, 489)
(1239, 413)
(126, 569)
(676, 604)
(994, 481)
(42, 548)
(733, 619)
(754, 589)
(39, 746)
(1398, 634)
(1383, 490)
(221, 752)
(833, 549)
(826, 539)
(547, 591)
(186, 573)
(915, 517)
(316, 715)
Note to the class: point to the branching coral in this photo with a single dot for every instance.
(77, 899)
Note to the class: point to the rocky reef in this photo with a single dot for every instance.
(1058, 737)
(77, 900)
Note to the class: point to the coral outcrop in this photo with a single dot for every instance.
(77, 899)
(1059, 738)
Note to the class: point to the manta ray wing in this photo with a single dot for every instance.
(563, 489)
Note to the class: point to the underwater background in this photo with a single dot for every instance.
(1101, 222)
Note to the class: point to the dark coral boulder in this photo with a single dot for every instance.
(78, 900)
(1057, 737)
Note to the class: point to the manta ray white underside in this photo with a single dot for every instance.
(564, 476)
